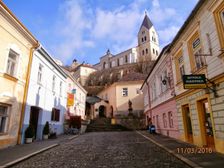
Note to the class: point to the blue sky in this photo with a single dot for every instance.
(85, 29)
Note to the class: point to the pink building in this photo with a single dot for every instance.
(159, 101)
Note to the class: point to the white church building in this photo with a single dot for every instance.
(146, 50)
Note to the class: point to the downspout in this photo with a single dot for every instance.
(32, 49)
(150, 112)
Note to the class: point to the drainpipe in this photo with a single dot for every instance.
(150, 112)
(32, 49)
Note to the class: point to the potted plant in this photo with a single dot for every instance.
(46, 130)
(29, 134)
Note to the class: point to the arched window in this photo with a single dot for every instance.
(145, 38)
(153, 50)
(146, 50)
(104, 65)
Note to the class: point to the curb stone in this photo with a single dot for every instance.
(183, 159)
(28, 156)
(73, 137)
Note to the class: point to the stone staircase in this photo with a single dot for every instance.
(104, 125)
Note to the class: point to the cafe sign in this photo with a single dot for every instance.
(194, 81)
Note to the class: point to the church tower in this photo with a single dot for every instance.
(148, 41)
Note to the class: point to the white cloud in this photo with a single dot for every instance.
(167, 34)
(119, 26)
(71, 30)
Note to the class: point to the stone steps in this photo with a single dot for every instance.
(104, 125)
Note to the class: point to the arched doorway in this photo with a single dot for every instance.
(102, 111)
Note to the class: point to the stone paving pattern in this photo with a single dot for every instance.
(105, 150)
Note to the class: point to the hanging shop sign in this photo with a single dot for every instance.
(194, 81)
(70, 99)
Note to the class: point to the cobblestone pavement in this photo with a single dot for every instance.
(105, 150)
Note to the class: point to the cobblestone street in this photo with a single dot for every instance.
(105, 149)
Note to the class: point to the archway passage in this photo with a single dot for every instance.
(102, 111)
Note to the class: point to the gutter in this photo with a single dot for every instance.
(32, 49)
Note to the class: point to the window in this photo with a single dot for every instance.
(12, 63)
(219, 21)
(53, 83)
(155, 40)
(40, 71)
(153, 50)
(3, 118)
(194, 46)
(143, 52)
(125, 92)
(156, 52)
(164, 120)
(181, 65)
(55, 114)
(118, 62)
(60, 89)
(199, 60)
(146, 50)
(170, 118)
(145, 38)
(104, 65)
(143, 32)
(126, 58)
(142, 39)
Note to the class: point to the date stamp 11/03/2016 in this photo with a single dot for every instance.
(194, 150)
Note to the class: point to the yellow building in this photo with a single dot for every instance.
(16, 47)
(118, 95)
(198, 48)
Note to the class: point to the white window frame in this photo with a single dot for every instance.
(16, 62)
(181, 65)
(53, 83)
(124, 92)
(6, 116)
(60, 89)
(40, 74)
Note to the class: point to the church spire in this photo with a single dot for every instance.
(146, 22)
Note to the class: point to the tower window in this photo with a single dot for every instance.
(153, 50)
(145, 38)
(126, 58)
(143, 52)
(142, 39)
(156, 52)
(146, 50)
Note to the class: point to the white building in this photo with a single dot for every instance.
(82, 72)
(146, 50)
(46, 99)
(76, 104)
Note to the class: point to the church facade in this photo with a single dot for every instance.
(146, 50)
